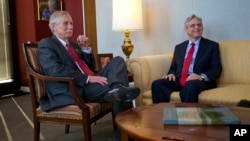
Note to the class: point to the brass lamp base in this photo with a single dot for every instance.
(127, 47)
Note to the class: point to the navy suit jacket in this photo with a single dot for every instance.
(56, 61)
(207, 60)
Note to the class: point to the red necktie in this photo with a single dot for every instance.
(184, 73)
(80, 63)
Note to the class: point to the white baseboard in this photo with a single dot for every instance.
(131, 84)
(25, 89)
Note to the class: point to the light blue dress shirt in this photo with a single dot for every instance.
(196, 47)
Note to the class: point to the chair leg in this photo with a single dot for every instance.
(36, 131)
(87, 132)
(113, 120)
(67, 126)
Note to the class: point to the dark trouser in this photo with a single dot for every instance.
(162, 89)
(116, 73)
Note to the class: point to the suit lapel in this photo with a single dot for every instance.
(183, 50)
(201, 49)
(62, 49)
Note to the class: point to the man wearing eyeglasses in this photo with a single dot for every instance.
(195, 66)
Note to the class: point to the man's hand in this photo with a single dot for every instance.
(83, 42)
(98, 79)
(170, 77)
(194, 76)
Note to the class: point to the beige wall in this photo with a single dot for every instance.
(163, 24)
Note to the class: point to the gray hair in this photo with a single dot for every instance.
(193, 16)
(54, 3)
(54, 18)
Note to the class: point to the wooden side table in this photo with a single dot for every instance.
(145, 123)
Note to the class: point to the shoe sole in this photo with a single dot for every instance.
(126, 95)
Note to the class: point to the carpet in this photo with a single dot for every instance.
(16, 124)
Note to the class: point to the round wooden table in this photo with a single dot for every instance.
(146, 123)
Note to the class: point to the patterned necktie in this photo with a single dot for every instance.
(184, 73)
(79, 62)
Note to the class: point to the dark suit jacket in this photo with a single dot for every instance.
(56, 61)
(207, 60)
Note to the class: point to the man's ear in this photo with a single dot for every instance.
(185, 30)
(53, 27)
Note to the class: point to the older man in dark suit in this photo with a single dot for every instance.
(60, 57)
(193, 76)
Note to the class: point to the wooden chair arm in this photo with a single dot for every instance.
(76, 96)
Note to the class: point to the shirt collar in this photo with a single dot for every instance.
(62, 41)
(197, 42)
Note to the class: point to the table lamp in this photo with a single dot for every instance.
(127, 17)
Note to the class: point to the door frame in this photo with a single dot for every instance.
(89, 11)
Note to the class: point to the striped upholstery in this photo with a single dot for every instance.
(73, 111)
(34, 64)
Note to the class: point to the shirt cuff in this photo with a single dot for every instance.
(87, 81)
(89, 50)
(205, 76)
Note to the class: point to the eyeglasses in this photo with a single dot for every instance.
(193, 25)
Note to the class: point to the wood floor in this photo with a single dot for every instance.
(16, 124)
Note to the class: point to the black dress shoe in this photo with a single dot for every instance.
(122, 93)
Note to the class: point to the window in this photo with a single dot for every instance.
(8, 63)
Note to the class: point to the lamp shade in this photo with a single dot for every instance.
(127, 15)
